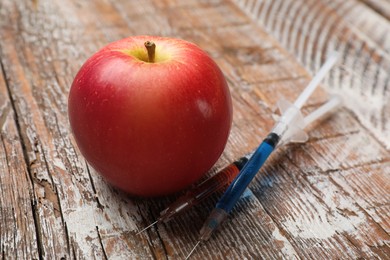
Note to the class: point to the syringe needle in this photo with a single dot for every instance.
(193, 249)
(154, 223)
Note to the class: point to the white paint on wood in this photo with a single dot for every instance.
(326, 221)
(287, 249)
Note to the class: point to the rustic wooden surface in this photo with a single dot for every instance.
(326, 199)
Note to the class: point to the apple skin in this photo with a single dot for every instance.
(150, 129)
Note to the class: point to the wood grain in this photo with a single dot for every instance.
(312, 29)
(17, 205)
(326, 199)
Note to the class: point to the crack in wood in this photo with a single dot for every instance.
(348, 238)
(162, 243)
(101, 243)
(373, 220)
(26, 159)
(99, 205)
(155, 252)
(73, 251)
(365, 164)
(41, 252)
(148, 240)
(381, 7)
(67, 238)
(330, 136)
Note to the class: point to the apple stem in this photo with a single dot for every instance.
(151, 48)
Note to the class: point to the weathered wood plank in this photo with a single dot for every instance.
(17, 219)
(311, 29)
(16, 60)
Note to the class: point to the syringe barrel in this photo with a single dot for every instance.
(219, 180)
(241, 182)
(203, 190)
(216, 217)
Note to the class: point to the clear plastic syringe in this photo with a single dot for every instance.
(288, 128)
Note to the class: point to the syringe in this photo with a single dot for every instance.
(201, 191)
(289, 128)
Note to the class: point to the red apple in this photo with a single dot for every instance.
(150, 122)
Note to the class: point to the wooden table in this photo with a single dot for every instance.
(326, 199)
